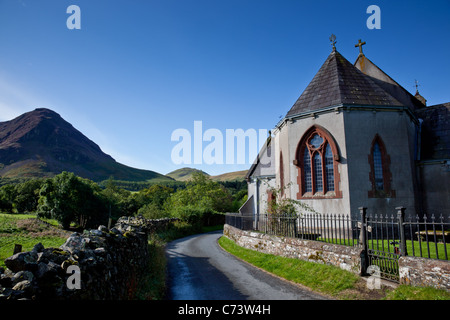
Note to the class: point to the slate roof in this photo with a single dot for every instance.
(339, 82)
(366, 66)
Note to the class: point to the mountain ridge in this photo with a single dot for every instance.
(40, 143)
(184, 174)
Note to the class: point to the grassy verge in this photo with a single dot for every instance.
(154, 286)
(326, 279)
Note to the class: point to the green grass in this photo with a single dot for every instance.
(153, 287)
(420, 249)
(23, 229)
(327, 279)
(428, 251)
(405, 292)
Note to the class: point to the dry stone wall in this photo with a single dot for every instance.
(111, 263)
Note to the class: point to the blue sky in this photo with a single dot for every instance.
(139, 69)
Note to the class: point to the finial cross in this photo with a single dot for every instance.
(360, 44)
(333, 41)
(417, 85)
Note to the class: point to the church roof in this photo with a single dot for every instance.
(338, 82)
(387, 83)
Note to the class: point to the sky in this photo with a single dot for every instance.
(138, 70)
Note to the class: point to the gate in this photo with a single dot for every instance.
(383, 239)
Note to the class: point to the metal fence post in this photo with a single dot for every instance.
(401, 218)
(363, 234)
(363, 240)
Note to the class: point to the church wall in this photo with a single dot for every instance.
(435, 181)
(281, 145)
(287, 141)
(259, 190)
(397, 132)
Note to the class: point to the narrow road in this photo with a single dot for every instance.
(198, 269)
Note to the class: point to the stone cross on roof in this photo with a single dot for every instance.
(360, 44)
(333, 41)
(417, 85)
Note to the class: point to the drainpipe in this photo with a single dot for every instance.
(419, 140)
(257, 204)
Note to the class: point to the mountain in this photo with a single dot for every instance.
(185, 174)
(41, 143)
(230, 176)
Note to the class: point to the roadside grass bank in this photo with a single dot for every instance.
(329, 280)
(154, 288)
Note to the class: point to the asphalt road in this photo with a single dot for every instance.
(198, 269)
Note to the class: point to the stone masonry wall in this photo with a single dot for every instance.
(111, 264)
(347, 258)
(424, 272)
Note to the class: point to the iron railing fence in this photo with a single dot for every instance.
(243, 222)
(429, 236)
(386, 236)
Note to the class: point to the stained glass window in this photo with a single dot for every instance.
(307, 171)
(317, 165)
(318, 172)
(316, 141)
(329, 170)
(378, 167)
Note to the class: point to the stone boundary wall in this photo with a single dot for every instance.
(344, 257)
(414, 271)
(111, 263)
(423, 272)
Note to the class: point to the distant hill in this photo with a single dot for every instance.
(185, 174)
(230, 176)
(41, 143)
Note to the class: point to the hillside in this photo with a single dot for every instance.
(41, 143)
(230, 176)
(185, 174)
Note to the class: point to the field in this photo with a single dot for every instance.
(26, 230)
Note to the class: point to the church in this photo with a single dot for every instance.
(356, 138)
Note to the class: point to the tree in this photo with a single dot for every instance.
(281, 206)
(68, 198)
(27, 195)
(201, 196)
(7, 198)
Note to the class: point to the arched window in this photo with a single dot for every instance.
(380, 175)
(317, 160)
(377, 167)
